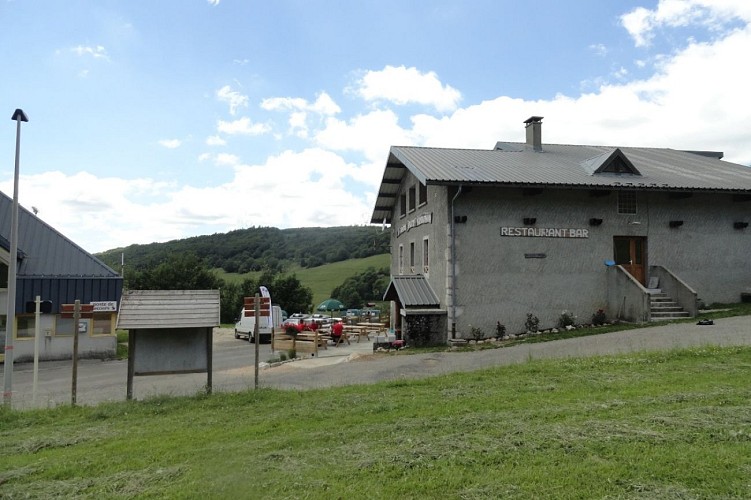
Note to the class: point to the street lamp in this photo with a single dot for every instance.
(18, 116)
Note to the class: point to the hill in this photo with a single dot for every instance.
(261, 248)
(322, 279)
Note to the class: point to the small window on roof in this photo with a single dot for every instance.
(617, 163)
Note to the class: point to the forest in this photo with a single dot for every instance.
(259, 248)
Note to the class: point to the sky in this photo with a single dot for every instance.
(155, 121)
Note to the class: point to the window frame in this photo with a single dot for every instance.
(422, 194)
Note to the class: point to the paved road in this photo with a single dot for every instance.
(354, 364)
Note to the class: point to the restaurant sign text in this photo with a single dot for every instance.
(412, 223)
(544, 232)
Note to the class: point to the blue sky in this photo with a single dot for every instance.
(152, 121)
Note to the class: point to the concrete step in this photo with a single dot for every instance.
(662, 316)
(664, 308)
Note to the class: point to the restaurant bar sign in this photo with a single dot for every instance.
(412, 223)
(544, 232)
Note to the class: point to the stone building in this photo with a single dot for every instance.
(482, 237)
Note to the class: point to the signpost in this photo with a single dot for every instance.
(77, 311)
(259, 307)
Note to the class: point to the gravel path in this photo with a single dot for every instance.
(371, 369)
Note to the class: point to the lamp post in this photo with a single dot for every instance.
(18, 116)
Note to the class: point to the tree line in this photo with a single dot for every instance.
(261, 248)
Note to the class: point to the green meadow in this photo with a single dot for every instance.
(673, 424)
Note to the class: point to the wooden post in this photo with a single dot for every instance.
(131, 363)
(74, 382)
(257, 336)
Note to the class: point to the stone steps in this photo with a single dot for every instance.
(664, 308)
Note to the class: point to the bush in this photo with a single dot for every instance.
(566, 319)
(500, 330)
(282, 356)
(599, 318)
(476, 333)
(292, 354)
(532, 323)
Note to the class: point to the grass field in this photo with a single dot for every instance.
(323, 279)
(663, 425)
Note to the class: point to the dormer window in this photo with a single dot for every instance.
(612, 162)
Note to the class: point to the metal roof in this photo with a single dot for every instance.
(157, 309)
(558, 166)
(411, 291)
(43, 251)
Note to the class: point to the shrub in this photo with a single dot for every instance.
(292, 354)
(532, 323)
(599, 318)
(566, 319)
(476, 333)
(500, 330)
(282, 356)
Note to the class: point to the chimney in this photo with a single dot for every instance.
(534, 132)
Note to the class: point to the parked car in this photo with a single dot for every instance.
(351, 313)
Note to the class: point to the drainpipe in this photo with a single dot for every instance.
(453, 265)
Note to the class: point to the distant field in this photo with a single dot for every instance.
(323, 279)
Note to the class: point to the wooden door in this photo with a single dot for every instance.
(631, 253)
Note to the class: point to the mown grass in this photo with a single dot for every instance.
(662, 425)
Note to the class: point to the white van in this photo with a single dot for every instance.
(244, 326)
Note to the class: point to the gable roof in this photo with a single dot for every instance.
(411, 291)
(157, 309)
(559, 166)
(43, 251)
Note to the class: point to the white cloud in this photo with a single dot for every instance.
(641, 23)
(215, 140)
(97, 51)
(213, 3)
(599, 49)
(370, 134)
(242, 126)
(401, 85)
(170, 143)
(299, 110)
(232, 97)
(226, 159)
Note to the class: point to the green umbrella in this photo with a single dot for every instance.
(330, 305)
